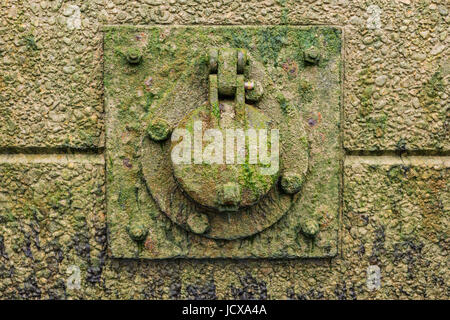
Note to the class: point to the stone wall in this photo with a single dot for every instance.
(396, 200)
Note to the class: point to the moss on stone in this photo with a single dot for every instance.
(305, 91)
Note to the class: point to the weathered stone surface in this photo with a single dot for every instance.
(396, 216)
(266, 221)
(50, 86)
(52, 216)
(50, 47)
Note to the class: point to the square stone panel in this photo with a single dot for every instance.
(50, 89)
(299, 69)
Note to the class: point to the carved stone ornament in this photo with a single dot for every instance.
(223, 142)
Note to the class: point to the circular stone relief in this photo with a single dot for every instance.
(173, 201)
(231, 182)
(221, 201)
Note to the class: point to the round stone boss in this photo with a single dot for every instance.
(223, 186)
(217, 201)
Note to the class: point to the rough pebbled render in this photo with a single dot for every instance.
(395, 212)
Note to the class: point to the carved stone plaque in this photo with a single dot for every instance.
(188, 111)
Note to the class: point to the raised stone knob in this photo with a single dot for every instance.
(227, 136)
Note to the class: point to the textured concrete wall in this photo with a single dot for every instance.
(395, 211)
